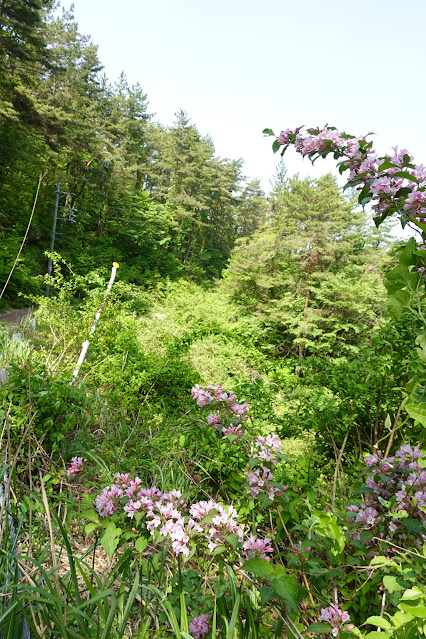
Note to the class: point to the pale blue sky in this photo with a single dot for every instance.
(238, 66)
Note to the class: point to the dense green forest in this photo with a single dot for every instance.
(239, 453)
(156, 198)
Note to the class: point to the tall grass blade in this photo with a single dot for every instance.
(184, 626)
(129, 604)
(234, 618)
(167, 607)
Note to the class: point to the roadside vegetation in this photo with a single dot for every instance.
(240, 455)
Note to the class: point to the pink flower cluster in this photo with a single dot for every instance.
(267, 447)
(216, 521)
(171, 526)
(392, 182)
(255, 547)
(199, 626)
(399, 481)
(298, 549)
(262, 479)
(163, 513)
(76, 466)
(227, 409)
(336, 618)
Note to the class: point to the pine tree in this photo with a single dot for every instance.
(308, 274)
(252, 209)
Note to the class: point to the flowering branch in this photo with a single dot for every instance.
(392, 183)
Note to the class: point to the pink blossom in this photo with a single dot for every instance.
(398, 156)
(240, 410)
(202, 396)
(255, 547)
(259, 480)
(122, 479)
(223, 521)
(226, 408)
(353, 149)
(76, 466)
(214, 419)
(233, 430)
(171, 525)
(266, 447)
(416, 201)
(284, 137)
(132, 507)
(202, 508)
(199, 626)
(298, 549)
(133, 487)
(175, 497)
(107, 502)
(419, 172)
(223, 524)
(383, 185)
(336, 618)
(374, 459)
(368, 515)
(328, 135)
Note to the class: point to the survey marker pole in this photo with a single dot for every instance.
(85, 345)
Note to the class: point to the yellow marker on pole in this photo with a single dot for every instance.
(85, 345)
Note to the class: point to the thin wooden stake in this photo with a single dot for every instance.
(85, 345)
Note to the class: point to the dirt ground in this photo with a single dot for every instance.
(15, 317)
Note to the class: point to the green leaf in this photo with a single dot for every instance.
(288, 589)
(183, 614)
(376, 634)
(275, 146)
(141, 544)
(232, 540)
(321, 627)
(393, 584)
(110, 539)
(378, 561)
(412, 594)
(260, 567)
(167, 607)
(406, 175)
(219, 550)
(267, 593)
(398, 302)
(407, 257)
(268, 132)
(89, 528)
(416, 611)
(91, 515)
(413, 525)
(387, 164)
(379, 622)
(416, 406)
(401, 277)
(363, 489)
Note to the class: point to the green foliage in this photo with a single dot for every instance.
(47, 402)
(155, 198)
(299, 328)
(310, 275)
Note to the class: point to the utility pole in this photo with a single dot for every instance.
(70, 217)
(52, 241)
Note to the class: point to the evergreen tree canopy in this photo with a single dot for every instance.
(309, 273)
